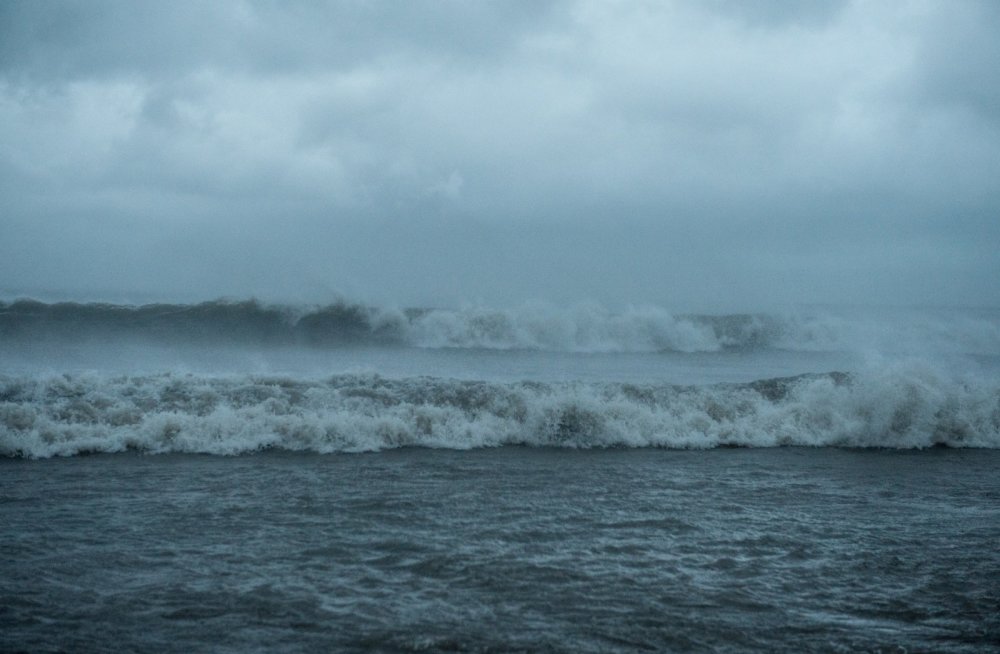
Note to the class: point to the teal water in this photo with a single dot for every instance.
(510, 549)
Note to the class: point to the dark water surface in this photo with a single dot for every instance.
(510, 549)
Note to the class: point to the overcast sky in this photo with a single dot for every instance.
(697, 155)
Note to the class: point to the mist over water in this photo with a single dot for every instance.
(237, 377)
(536, 326)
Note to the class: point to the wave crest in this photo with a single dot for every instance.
(533, 326)
(584, 328)
(899, 408)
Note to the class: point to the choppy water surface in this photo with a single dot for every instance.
(241, 477)
(506, 549)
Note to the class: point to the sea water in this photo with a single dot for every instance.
(351, 479)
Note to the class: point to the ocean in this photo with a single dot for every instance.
(239, 476)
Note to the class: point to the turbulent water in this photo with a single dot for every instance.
(535, 478)
(232, 378)
(518, 549)
(66, 414)
(583, 328)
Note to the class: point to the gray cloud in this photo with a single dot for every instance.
(61, 40)
(692, 154)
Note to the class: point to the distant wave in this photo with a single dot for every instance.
(66, 415)
(247, 322)
(534, 326)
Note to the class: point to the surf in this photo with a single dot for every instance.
(900, 407)
(533, 326)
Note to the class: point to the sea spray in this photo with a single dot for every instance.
(581, 328)
(894, 407)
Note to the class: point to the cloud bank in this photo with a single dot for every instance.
(696, 155)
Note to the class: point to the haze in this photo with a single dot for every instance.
(694, 155)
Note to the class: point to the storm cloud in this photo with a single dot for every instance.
(697, 155)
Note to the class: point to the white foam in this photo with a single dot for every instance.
(901, 406)
(593, 328)
(581, 328)
(587, 327)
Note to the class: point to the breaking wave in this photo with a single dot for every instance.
(66, 415)
(535, 326)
